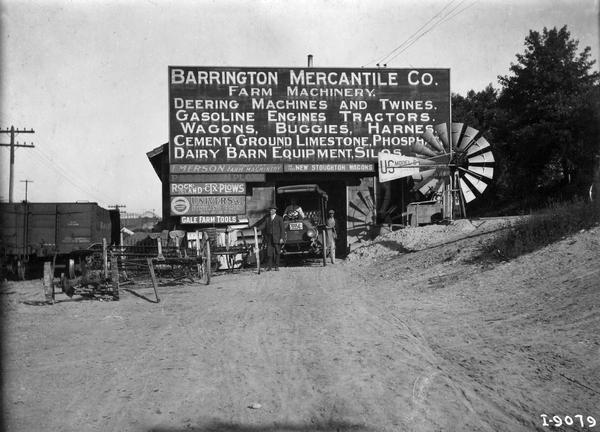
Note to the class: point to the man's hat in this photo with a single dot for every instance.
(273, 207)
(331, 211)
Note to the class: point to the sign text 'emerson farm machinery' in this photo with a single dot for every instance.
(457, 168)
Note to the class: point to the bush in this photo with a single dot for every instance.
(545, 226)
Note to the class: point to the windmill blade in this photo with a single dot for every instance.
(478, 146)
(456, 131)
(425, 174)
(435, 160)
(476, 182)
(432, 185)
(483, 158)
(428, 171)
(467, 138)
(433, 141)
(443, 159)
(420, 148)
(442, 131)
(423, 178)
(483, 171)
(428, 186)
(467, 193)
(477, 175)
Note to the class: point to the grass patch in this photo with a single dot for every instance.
(545, 226)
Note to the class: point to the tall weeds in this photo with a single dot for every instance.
(557, 220)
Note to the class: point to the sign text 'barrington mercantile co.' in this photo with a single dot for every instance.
(263, 118)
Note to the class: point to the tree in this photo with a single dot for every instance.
(549, 107)
(480, 111)
(476, 109)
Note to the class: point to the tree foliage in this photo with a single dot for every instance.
(476, 109)
(543, 122)
(548, 109)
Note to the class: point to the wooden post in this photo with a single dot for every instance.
(208, 260)
(114, 274)
(198, 256)
(105, 258)
(122, 245)
(177, 250)
(324, 232)
(256, 251)
(153, 277)
(71, 268)
(48, 282)
(160, 254)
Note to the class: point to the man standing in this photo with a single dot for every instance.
(331, 226)
(273, 231)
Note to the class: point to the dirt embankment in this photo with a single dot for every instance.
(414, 239)
(403, 341)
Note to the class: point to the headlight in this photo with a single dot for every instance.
(311, 233)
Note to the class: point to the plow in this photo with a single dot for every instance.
(167, 258)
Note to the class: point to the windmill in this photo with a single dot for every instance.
(457, 168)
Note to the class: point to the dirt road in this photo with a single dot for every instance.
(422, 341)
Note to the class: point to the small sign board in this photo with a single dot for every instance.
(231, 177)
(225, 168)
(392, 166)
(208, 205)
(208, 189)
(210, 219)
(333, 167)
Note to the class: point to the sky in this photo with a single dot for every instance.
(90, 76)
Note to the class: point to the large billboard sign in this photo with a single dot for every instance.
(299, 119)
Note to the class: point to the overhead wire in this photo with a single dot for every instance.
(382, 59)
(45, 162)
(439, 18)
(70, 173)
(442, 19)
(49, 161)
(459, 12)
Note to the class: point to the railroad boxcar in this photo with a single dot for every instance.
(33, 232)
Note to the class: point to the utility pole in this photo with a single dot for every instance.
(12, 131)
(26, 184)
(117, 207)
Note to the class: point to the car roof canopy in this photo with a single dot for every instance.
(302, 188)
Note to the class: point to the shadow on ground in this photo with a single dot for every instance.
(291, 260)
(219, 426)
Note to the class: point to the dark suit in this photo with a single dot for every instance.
(273, 231)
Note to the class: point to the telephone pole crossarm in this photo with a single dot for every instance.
(12, 131)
